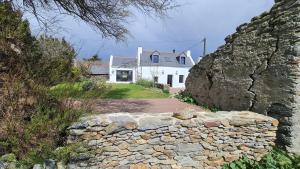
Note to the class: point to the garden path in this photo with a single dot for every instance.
(141, 105)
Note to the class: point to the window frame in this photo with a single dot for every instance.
(182, 58)
(181, 79)
(121, 79)
(155, 58)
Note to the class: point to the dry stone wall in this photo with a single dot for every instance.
(257, 70)
(163, 141)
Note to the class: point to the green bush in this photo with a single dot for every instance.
(276, 159)
(88, 85)
(186, 98)
(145, 83)
(65, 153)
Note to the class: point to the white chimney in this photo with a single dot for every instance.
(140, 51)
(189, 55)
(111, 61)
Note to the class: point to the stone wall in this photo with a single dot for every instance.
(162, 141)
(257, 70)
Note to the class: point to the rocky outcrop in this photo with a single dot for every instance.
(257, 70)
(194, 140)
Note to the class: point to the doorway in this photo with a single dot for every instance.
(170, 80)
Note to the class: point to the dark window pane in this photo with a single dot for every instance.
(124, 75)
(181, 77)
(182, 60)
(155, 79)
(155, 59)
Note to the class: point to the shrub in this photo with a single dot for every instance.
(145, 83)
(276, 159)
(88, 85)
(186, 98)
(64, 154)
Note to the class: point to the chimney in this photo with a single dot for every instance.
(189, 55)
(140, 51)
(174, 50)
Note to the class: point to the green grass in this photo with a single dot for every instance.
(116, 91)
(133, 91)
(74, 90)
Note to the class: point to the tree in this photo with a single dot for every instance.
(17, 60)
(94, 58)
(108, 16)
(55, 64)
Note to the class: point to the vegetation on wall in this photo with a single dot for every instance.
(276, 159)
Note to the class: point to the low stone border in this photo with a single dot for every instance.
(167, 140)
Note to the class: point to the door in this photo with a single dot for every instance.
(170, 80)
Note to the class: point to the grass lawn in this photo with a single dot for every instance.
(117, 91)
(133, 91)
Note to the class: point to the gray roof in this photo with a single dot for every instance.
(99, 69)
(166, 59)
(124, 62)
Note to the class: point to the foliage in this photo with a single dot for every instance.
(32, 123)
(84, 89)
(145, 83)
(55, 63)
(276, 159)
(33, 141)
(8, 158)
(134, 91)
(186, 98)
(94, 58)
(65, 153)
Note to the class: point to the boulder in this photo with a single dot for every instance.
(257, 70)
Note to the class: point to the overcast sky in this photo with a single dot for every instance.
(182, 30)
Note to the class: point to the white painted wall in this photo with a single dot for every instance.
(162, 74)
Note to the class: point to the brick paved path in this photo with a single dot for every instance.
(142, 106)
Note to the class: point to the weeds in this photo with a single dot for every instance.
(276, 159)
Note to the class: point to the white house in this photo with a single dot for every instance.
(170, 68)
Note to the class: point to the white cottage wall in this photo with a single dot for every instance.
(162, 74)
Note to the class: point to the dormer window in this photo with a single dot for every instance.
(182, 60)
(155, 58)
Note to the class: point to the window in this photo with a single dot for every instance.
(181, 78)
(155, 79)
(155, 58)
(182, 60)
(124, 75)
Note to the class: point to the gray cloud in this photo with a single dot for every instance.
(185, 26)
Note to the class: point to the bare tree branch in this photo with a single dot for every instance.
(107, 16)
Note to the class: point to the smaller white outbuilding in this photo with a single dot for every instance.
(170, 68)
